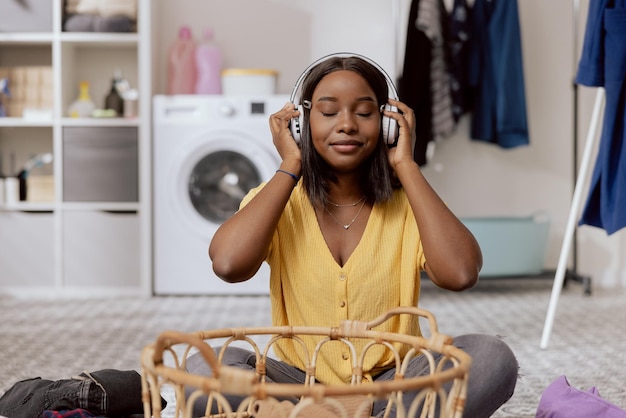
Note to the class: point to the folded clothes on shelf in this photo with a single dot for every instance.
(101, 16)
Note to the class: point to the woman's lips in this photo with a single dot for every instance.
(346, 145)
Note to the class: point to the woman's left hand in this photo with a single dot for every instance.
(403, 151)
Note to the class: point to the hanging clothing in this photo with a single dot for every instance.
(460, 33)
(496, 74)
(425, 81)
(414, 84)
(432, 20)
(603, 64)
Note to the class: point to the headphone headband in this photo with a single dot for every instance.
(389, 126)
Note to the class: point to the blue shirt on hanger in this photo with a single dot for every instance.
(603, 64)
(496, 74)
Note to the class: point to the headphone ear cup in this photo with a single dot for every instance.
(390, 127)
(296, 124)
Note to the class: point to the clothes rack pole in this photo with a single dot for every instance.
(573, 217)
(572, 274)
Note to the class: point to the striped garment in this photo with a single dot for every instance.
(429, 21)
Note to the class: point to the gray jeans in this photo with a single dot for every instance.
(493, 374)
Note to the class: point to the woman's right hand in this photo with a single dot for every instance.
(281, 135)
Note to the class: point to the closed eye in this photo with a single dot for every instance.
(328, 115)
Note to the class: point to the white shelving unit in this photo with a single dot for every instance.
(74, 246)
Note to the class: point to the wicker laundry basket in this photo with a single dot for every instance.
(163, 363)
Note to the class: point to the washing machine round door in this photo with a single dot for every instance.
(218, 183)
(211, 176)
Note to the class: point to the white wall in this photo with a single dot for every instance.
(286, 35)
(474, 178)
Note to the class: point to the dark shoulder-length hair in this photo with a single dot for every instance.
(378, 180)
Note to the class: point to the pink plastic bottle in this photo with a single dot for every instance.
(182, 64)
(208, 66)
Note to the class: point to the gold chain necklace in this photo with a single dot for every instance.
(349, 224)
(337, 205)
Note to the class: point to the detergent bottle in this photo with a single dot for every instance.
(182, 64)
(208, 66)
(114, 100)
(83, 106)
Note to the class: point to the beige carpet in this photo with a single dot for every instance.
(57, 339)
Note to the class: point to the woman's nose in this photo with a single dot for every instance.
(346, 122)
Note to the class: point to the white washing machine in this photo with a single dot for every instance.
(209, 151)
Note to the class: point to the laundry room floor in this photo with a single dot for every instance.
(56, 339)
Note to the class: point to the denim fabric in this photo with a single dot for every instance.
(603, 63)
(108, 392)
(496, 73)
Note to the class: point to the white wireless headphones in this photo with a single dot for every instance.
(389, 125)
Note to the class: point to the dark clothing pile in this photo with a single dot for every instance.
(104, 393)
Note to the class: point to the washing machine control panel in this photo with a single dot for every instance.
(198, 109)
(238, 107)
(226, 110)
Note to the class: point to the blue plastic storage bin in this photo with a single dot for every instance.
(511, 246)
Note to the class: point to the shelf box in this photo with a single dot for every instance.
(31, 90)
(26, 248)
(40, 188)
(100, 164)
(112, 258)
(26, 16)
